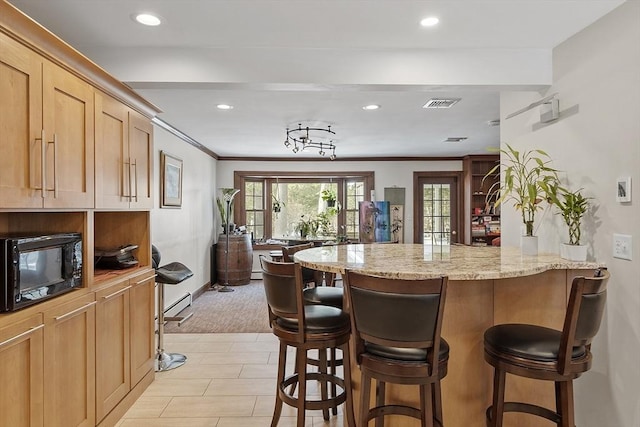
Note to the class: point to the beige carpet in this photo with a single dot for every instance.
(244, 310)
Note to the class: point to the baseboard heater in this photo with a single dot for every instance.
(171, 312)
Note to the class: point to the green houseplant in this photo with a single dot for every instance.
(572, 206)
(329, 196)
(527, 178)
(307, 227)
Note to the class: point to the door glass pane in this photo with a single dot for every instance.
(436, 214)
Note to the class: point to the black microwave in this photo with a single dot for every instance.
(36, 268)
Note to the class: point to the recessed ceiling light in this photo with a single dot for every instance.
(371, 107)
(148, 19)
(224, 107)
(430, 21)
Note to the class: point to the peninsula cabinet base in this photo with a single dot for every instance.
(118, 412)
(472, 306)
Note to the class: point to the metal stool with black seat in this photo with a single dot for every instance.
(169, 274)
(396, 325)
(541, 353)
(305, 327)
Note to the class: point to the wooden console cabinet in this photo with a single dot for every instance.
(76, 155)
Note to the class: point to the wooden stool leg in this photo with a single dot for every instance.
(333, 370)
(381, 392)
(437, 401)
(498, 398)
(564, 403)
(302, 385)
(348, 387)
(322, 368)
(365, 398)
(282, 361)
(426, 403)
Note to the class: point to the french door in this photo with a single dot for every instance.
(437, 198)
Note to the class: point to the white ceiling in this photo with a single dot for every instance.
(317, 62)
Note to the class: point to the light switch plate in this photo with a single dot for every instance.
(622, 246)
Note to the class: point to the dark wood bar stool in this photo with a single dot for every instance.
(318, 278)
(396, 325)
(305, 327)
(547, 354)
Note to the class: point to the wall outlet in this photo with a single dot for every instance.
(622, 246)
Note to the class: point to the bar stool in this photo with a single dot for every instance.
(547, 354)
(305, 327)
(169, 274)
(396, 325)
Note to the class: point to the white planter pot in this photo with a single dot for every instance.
(573, 252)
(529, 245)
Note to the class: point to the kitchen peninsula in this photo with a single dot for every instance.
(487, 286)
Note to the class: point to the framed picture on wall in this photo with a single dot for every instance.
(170, 181)
(623, 189)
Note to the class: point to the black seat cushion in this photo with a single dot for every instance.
(319, 319)
(173, 273)
(405, 354)
(326, 295)
(527, 341)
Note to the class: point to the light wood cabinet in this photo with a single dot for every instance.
(125, 350)
(69, 348)
(142, 330)
(113, 370)
(47, 148)
(21, 370)
(124, 155)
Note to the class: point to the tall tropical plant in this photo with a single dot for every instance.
(527, 176)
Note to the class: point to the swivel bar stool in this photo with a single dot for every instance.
(396, 326)
(305, 327)
(547, 354)
(169, 274)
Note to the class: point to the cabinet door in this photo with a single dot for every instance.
(113, 184)
(21, 353)
(69, 348)
(142, 326)
(21, 124)
(141, 155)
(68, 126)
(113, 368)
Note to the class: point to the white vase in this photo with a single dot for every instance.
(529, 245)
(573, 252)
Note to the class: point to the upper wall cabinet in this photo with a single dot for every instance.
(47, 138)
(124, 150)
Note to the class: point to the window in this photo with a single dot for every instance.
(271, 206)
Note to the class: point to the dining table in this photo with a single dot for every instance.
(486, 286)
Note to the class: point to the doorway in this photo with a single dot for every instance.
(437, 202)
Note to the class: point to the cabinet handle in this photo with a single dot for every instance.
(77, 310)
(43, 162)
(55, 165)
(117, 292)
(125, 178)
(146, 278)
(130, 180)
(135, 178)
(25, 333)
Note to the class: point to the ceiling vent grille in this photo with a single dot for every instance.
(441, 103)
(456, 139)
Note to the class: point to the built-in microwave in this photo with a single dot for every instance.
(36, 268)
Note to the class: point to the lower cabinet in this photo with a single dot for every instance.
(21, 371)
(69, 375)
(124, 339)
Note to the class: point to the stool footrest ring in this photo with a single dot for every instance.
(526, 408)
(313, 404)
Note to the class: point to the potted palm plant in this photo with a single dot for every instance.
(572, 205)
(527, 176)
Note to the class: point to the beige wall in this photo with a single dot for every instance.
(599, 70)
(185, 234)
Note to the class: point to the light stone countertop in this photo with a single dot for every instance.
(416, 261)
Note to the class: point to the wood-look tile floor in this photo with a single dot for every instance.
(229, 380)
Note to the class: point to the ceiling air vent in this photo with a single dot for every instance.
(441, 103)
(456, 139)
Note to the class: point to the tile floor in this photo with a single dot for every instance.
(228, 381)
